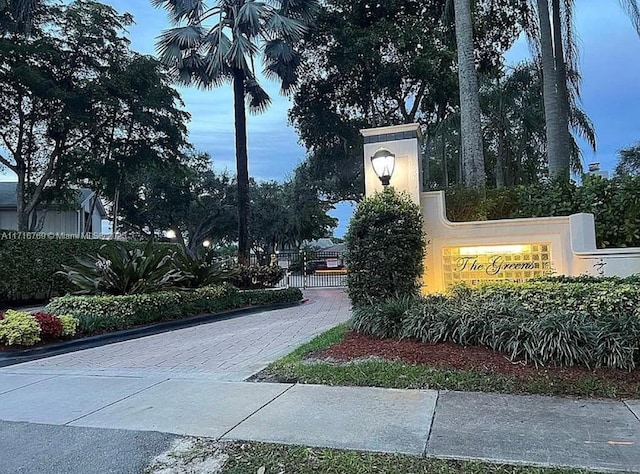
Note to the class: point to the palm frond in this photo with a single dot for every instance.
(285, 27)
(251, 15)
(281, 62)
(257, 98)
(185, 37)
(633, 10)
(241, 49)
(583, 126)
(218, 44)
(181, 10)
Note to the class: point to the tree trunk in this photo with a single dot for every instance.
(470, 125)
(563, 94)
(242, 167)
(22, 215)
(550, 92)
(501, 156)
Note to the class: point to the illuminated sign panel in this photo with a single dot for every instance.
(475, 264)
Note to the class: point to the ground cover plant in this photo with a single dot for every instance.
(76, 316)
(567, 336)
(21, 328)
(110, 313)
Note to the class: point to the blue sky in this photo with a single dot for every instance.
(610, 65)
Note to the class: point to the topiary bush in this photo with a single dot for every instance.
(19, 328)
(385, 248)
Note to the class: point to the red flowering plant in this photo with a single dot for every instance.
(50, 325)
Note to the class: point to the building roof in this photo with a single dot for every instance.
(8, 197)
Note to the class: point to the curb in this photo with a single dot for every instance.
(17, 356)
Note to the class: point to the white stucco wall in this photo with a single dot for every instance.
(569, 243)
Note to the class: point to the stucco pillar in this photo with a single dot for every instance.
(404, 142)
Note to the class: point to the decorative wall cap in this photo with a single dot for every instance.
(389, 134)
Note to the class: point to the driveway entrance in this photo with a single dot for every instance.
(230, 349)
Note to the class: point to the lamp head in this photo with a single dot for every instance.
(383, 162)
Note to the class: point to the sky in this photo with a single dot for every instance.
(609, 61)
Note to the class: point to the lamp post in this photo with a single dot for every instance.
(383, 162)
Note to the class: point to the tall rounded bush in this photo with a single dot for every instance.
(385, 248)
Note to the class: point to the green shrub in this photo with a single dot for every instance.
(615, 203)
(385, 249)
(258, 276)
(117, 270)
(546, 323)
(204, 270)
(265, 297)
(69, 325)
(110, 313)
(30, 263)
(599, 298)
(385, 319)
(19, 328)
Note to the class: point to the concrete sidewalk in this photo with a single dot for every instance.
(601, 435)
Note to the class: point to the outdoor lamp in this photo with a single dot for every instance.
(383, 162)
(206, 244)
(171, 234)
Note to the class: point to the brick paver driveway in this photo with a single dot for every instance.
(230, 349)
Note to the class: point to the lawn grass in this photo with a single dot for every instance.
(249, 458)
(299, 366)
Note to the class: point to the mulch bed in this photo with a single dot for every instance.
(451, 356)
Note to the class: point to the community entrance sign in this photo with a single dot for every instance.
(508, 250)
(473, 265)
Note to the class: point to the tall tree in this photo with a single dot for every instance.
(384, 63)
(186, 196)
(240, 33)
(48, 102)
(552, 35)
(470, 125)
(558, 161)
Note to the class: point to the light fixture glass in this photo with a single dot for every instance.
(206, 243)
(171, 234)
(383, 162)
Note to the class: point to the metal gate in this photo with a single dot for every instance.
(313, 269)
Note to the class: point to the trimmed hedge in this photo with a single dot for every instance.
(111, 313)
(29, 262)
(594, 324)
(615, 203)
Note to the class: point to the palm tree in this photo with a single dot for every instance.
(213, 45)
(470, 125)
(553, 37)
(558, 161)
